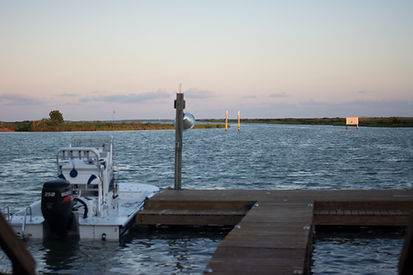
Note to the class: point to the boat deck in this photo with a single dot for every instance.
(273, 229)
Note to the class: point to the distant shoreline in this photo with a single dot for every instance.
(338, 121)
(46, 125)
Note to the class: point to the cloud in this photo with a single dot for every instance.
(250, 96)
(67, 94)
(194, 93)
(129, 98)
(16, 100)
(356, 108)
(361, 92)
(313, 108)
(278, 95)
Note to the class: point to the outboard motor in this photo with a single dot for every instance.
(57, 204)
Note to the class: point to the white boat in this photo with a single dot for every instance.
(83, 200)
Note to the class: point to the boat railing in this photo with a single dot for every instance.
(28, 211)
(67, 153)
(101, 157)
(6, 212)
(105, 143)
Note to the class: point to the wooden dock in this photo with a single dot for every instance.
(273, 229)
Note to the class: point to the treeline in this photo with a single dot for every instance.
(48, 125)
(363, 121)
(387, 122)
(337, 121)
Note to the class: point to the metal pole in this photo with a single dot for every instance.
(179, 125)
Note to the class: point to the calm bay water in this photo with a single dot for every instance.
(259, 157)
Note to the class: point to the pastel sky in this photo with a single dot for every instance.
(102, 60)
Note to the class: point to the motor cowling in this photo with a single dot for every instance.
(57, 205)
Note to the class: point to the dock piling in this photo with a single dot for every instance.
(226, 120)
(239, 122)
(405, 265)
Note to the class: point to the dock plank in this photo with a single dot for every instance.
(280, 229)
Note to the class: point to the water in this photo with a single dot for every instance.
(142, 251)
(259, 157)
(362, 252)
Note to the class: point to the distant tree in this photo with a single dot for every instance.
(394, 121)
(56, 116)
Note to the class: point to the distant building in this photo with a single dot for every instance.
(352, 121)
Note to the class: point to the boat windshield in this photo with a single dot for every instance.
(104, 142)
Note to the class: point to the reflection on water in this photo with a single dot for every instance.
(358, 252)
(149, 250)
(142, 251)
(258, 157)
(60, 254)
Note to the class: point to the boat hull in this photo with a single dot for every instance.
(116, 220)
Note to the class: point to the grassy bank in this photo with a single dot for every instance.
(338, 121)
(47, 125)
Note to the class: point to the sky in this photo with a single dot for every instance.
(105, 60)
